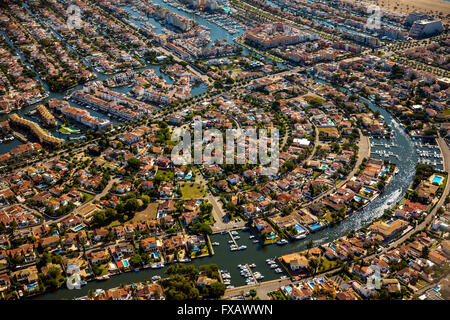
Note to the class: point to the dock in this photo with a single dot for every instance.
(232, 238)
(251, 272)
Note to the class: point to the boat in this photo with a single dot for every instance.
(255, 241)
(231, 241)
(156, 278)
(270, 262)
(237, 238)
(83, 283)
(137, 270)
(102, 278)
(242, 247)
(251, 237)
(215, 243)
(273, 266)
(282, 242)
(278, 270)
(252, 265)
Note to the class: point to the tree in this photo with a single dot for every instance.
(134, 164)
(145, 200)
(252, 293)
(216, 290)
(131, 205)
(201, 228)
(136, 260)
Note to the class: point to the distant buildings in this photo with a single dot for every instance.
(422, 28)
(271, 35)
(178, 21)
(80, 115)
(42, 135)
(47, 118)
(413, 17)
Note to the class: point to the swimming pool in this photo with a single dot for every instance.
(315, 226)
(160, 215)
(357, 198)
(368, 190)
(271, 236)
(288, 289)
(126, 264)
(437, 179)
(188, 176)
(79, 227)
(32, 286)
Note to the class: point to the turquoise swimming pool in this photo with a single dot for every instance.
(79, 227)
(437, 179)
(32, 286)
(315, 226)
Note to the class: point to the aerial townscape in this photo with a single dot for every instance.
(352, 99)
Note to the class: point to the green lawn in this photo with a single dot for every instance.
(87, 195)
(191, 191)
(166, 175)
(327, 265)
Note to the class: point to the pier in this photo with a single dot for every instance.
(251, 272)
(232, 238)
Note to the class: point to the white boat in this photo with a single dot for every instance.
(156, 278)
(251, 237)
(282, 242)
(242, 247)
(255, 241)
(215, 243)
(278, 270)
(273, 266)
(252, 265)
(230, 241)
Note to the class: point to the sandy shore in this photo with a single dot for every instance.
(435, 8)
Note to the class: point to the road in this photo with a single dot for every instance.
(218, 212)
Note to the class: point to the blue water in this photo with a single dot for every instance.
(125, 263)
(79, 227)
(32, 286)
(315, 226)
(437, 179)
